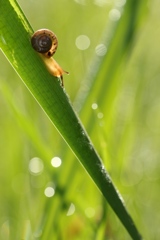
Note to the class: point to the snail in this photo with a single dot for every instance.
(45, 43)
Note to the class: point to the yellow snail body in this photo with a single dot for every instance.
(45, 43)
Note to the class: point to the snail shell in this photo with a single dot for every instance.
(45, 43)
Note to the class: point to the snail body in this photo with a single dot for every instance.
(45, 43)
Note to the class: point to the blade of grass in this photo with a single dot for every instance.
(106, 76)
(25, 123)
(105, 70)
(15, 35)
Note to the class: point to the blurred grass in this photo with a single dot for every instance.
(127, 136)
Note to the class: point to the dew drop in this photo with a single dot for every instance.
(36, 166)
(101, 50)
(114, 14)
(82, 42)
(71, 210)
(102, 3)
(49, 192)
(120, 3)
(56, 162)
(100, 115)
(38, 233)
(94, 106)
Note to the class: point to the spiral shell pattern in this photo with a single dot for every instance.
(45, 42)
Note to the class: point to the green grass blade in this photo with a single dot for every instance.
(15, 35)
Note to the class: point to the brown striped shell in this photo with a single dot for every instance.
(45, 42)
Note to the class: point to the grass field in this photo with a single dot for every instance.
(112, 53)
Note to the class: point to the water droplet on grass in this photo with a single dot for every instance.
(36, 166)
(56, 162)
(82, 42)
(71, 210)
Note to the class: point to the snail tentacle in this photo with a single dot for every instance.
(45, 43)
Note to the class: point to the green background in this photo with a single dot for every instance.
(124, 128)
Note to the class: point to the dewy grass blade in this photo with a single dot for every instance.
(15, 35)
